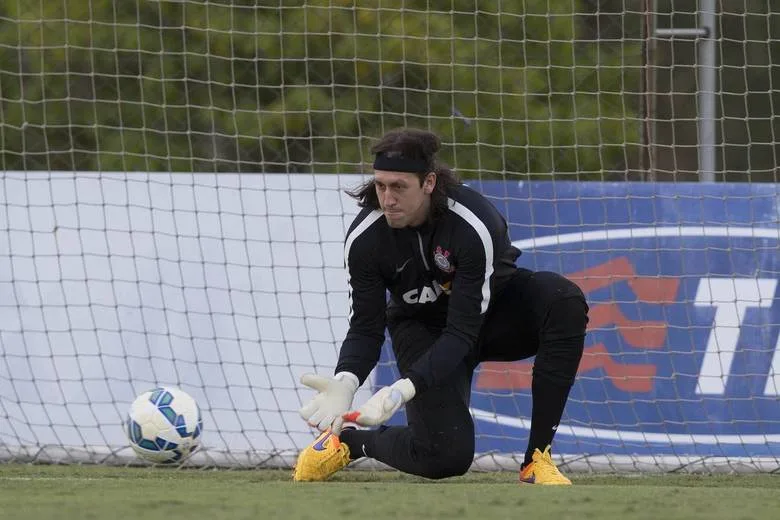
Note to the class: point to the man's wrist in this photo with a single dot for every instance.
(406, 388)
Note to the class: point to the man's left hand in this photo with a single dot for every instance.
(383, 404)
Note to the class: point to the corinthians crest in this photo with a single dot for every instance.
(442, 259)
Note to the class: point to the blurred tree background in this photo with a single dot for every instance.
(517, 89)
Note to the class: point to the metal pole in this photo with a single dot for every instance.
(646, 35)
(653, 90)
(707, 86)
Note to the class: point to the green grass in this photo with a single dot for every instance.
(87, 492)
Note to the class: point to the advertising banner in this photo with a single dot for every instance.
(682, 353)
(232, 286)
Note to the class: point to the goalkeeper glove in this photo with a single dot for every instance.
(383, 404)
(334, 397)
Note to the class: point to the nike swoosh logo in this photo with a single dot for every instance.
(403, 266)
(320, 445)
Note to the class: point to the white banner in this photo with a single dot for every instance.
(227, 286)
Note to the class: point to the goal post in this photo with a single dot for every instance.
(230, 286)
(172, 212)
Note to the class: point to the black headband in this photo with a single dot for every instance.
(398, 163)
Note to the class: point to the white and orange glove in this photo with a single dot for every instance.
(334, 398)
(383, 404)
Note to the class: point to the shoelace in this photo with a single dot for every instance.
(547, 467)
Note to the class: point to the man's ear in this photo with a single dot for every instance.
(430, 183)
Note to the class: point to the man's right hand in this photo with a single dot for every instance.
(333, 399)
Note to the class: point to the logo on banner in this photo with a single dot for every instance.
(684, 330)
(727, 296)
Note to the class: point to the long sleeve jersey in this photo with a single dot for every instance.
(445, 272)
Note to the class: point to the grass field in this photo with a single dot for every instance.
(87, 492)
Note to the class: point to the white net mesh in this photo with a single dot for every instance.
(218, 267)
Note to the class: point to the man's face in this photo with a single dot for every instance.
(403, 200)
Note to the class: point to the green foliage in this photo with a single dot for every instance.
(252, 86)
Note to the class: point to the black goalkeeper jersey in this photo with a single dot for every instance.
(444, 273)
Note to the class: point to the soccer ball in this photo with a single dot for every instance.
(164, 425)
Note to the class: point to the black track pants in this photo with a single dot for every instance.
(541, 314)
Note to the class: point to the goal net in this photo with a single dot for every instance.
(172, 212)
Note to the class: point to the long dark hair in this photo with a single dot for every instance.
(416, 144)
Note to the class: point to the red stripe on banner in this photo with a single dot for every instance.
(655, 289)
(637, 333)
(629, 377)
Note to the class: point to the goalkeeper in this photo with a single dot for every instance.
(456, 298)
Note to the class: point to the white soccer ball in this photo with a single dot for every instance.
(164, 425)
